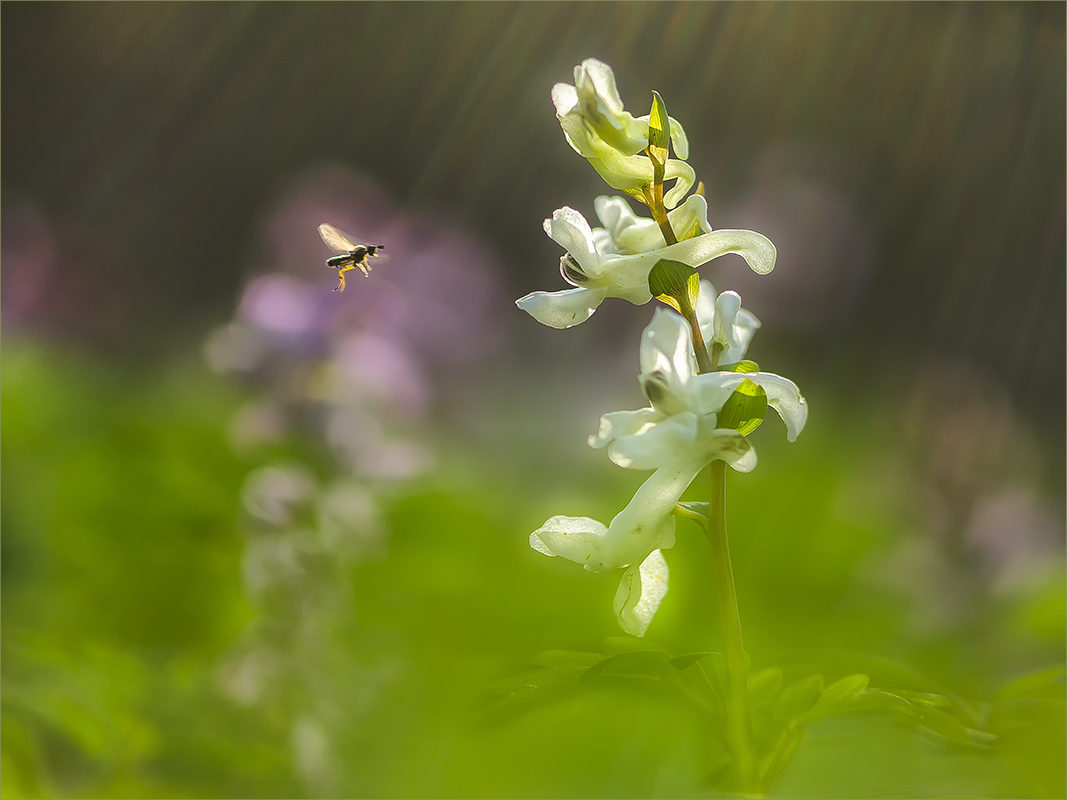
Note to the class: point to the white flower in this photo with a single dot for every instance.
(633, 540)
(677, 436)
(682, 422)
(598, 127)
(724, 323)
(614, 261)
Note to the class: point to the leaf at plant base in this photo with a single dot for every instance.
(745, 409)
(629, 644)
(763, 686)
(798, 699)
(684, 661)
(877, 701)
(925, 699)
(562, 659)
(536, 678)
(515, 705)
(640, 663)
(945, 726)
(1045, 684)
(774, 762)
(741, 366)
(838, 695)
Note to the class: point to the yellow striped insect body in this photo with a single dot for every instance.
(352, 255)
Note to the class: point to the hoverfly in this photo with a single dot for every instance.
(351, 256)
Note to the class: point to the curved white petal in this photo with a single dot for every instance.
(679, 139)
(754, 247)
(623, 423)
(666, 348)
(713, 389)
(569, 229)
(562, 309)
(629, 233)
(725, 444)
(601, 108)
(574, 538)
(785, 398)
(640, 593)
(745, 326)
(658, 444)
(564, 98)
(647, 522)
(683, 176)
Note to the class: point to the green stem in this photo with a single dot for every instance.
(654, 198)
(704, 361)
(738, 713)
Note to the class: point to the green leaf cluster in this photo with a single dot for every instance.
(782, 709)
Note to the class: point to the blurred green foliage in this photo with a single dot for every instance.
(122, 599)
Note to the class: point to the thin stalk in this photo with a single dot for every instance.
(738, 713)
(653, 195)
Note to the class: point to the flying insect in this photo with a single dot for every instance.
(351, 256)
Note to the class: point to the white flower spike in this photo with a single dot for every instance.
(614, 261)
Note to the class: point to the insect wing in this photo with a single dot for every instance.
(336, 240)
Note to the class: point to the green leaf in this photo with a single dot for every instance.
(838, 695)
(659, 131)
(798, 699)
(685, 661)
(946, 726)
(925, 699)
(536, 678)
(639, 663)
(675, 284)
(741, 366)
(880, 702)
(763, 686)
(1046, 683)
(745, 409)
(565, 659)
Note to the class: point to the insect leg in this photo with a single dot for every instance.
(341, 277)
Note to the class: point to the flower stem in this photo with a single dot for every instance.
(653, 195)
(738, 713)
(704, 362)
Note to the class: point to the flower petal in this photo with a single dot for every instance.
(754, 247)
(679, 139)
(725, 444)
(713, 389)
(640, 593)
(684, 177)
(785, 398)
(569, 229)
(623, 423)
(574, 538)
(657, 445)
(647, 522)
(562, 309)
(667, 349)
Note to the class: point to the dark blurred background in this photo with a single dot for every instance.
(907, 159)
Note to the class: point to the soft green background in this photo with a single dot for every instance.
(156, 139)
